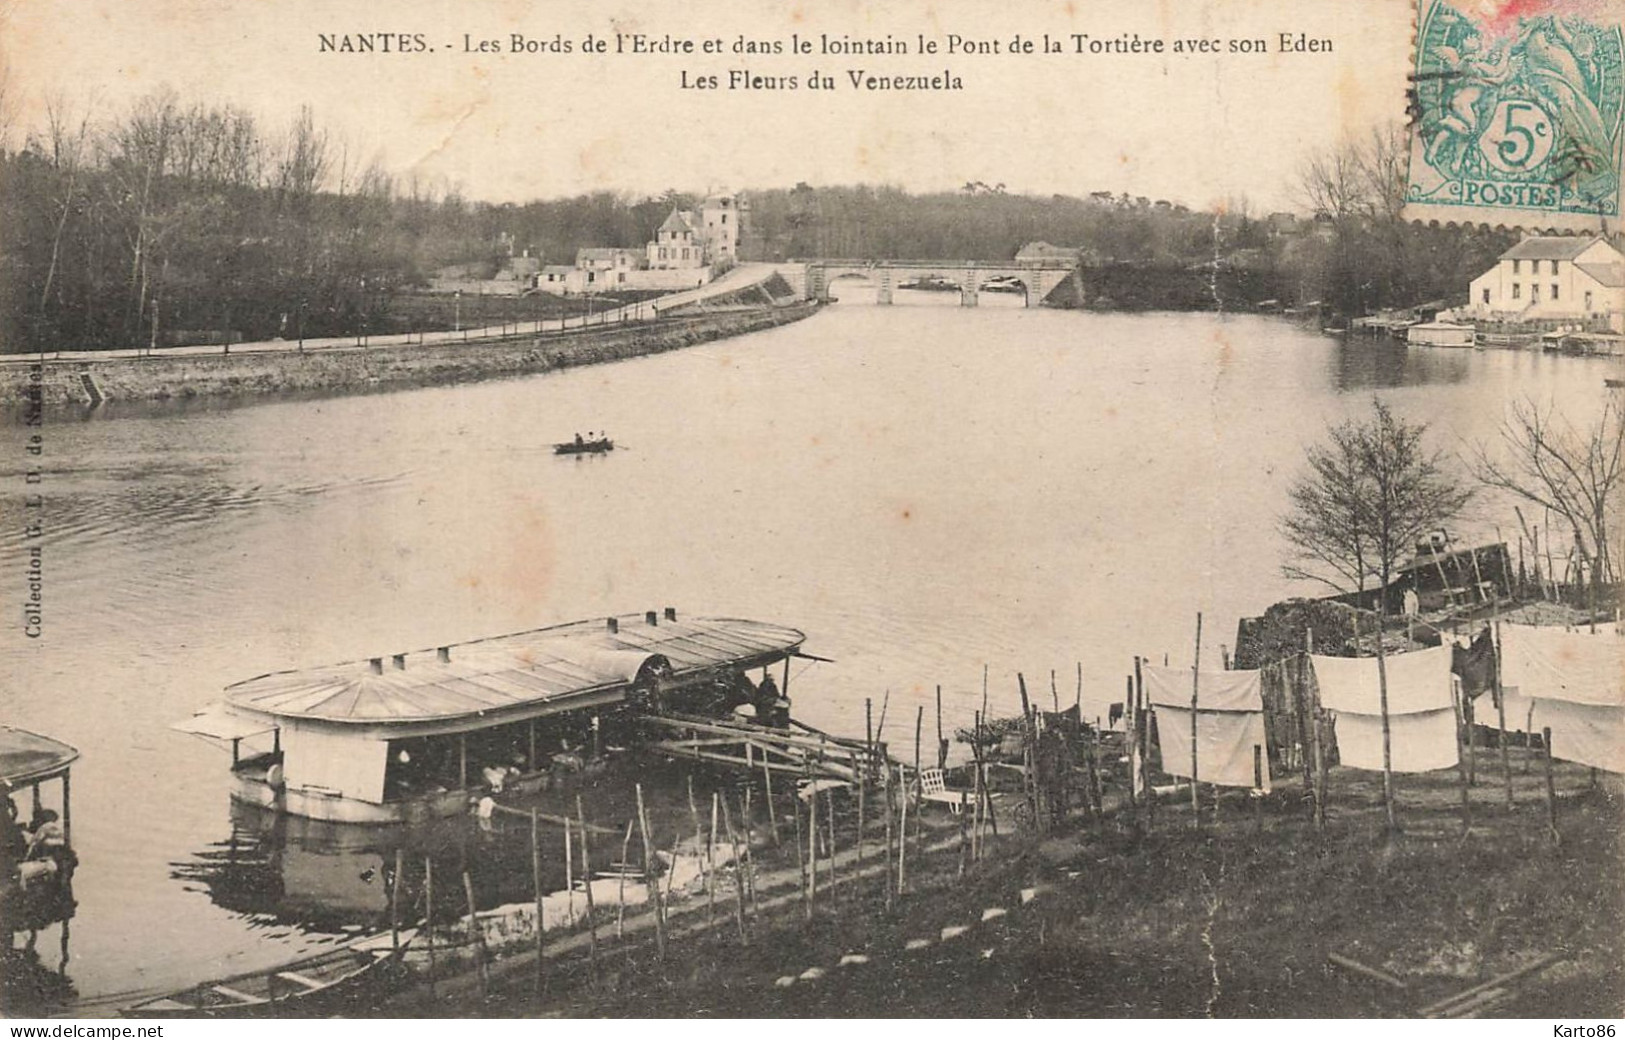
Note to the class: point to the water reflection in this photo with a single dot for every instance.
(34, 980)
(1374, 363)
(283, 873)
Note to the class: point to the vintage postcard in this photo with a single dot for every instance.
(536, 508)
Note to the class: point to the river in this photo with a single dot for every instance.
(924, 490)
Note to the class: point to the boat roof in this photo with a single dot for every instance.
(518, 675)
(26, 758)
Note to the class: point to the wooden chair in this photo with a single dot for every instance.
(932, 789)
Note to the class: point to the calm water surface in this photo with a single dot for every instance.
(922, 489)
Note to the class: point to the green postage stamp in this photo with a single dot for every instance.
(1519, 119)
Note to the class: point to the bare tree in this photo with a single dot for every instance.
(1373, 489)
(67, 155)
(1575, 473)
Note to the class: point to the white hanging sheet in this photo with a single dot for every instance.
(1224, 745)
(1418, 681)
(1554, 663)
(1590, 734)
(1215, 691)
(1418, 741)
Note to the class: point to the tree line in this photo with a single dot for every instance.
(174, 220)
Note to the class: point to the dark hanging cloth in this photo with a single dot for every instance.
(1114, 712)
(1475, 664)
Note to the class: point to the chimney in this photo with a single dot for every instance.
(651, 618)
(443, 654)
(671, 613)
(377, 664)
(612, 624)
(400, 661)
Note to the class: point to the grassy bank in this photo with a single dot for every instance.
(353, 370)
(1235, 919)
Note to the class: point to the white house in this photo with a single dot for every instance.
(676, 244)
(697, 237)
(720, 220)
(1550, 281)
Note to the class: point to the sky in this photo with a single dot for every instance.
(1199, 128)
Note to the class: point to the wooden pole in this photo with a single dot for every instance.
(1131, 735)
(902, 838)
(1461, 763)
(984, 691)
(428, 915)
(586, 874)
(1501, 716)
(739, 873)
(1529, 739)
(569, 875)
(476, 934)
(1028, 739)
(1320, 743)
(964, 840)
(1300, 705)
(1551, 784)
(750, 857)
(801, 862)
(1258, 786)
(868, 723)
(889, 791)
(536, 886)
(620, 900)
(834, 880)
(1054, 692)
(942, 744)
(919, 721)
(812, 849)
(395, 900)
(862, 781)
(699, 832)
(981, 793)
(749, 853)
(767, 796)
(1196, 676)
(649, 878)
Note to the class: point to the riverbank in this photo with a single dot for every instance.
(1255, 914)
(362, 369)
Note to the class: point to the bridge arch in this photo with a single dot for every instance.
(1034, 280)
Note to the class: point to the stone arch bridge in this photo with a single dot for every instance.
(1035, 278)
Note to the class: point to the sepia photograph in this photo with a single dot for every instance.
(857, 509)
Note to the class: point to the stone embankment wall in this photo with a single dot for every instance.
(354, 370)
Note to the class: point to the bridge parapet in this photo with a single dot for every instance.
(1040, 276)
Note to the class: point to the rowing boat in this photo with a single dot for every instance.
(597, 446)
(301, 987)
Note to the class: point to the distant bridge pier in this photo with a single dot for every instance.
(884, 290)
(968, 287)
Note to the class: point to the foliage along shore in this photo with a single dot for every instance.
(360, 369)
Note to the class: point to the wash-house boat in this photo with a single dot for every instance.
(419, 735)
(37, 890)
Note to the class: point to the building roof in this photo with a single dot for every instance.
(1611, 275)
(676, 222)
(1550, 247)
(525, 674)
(601, 253)
(27, 757)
